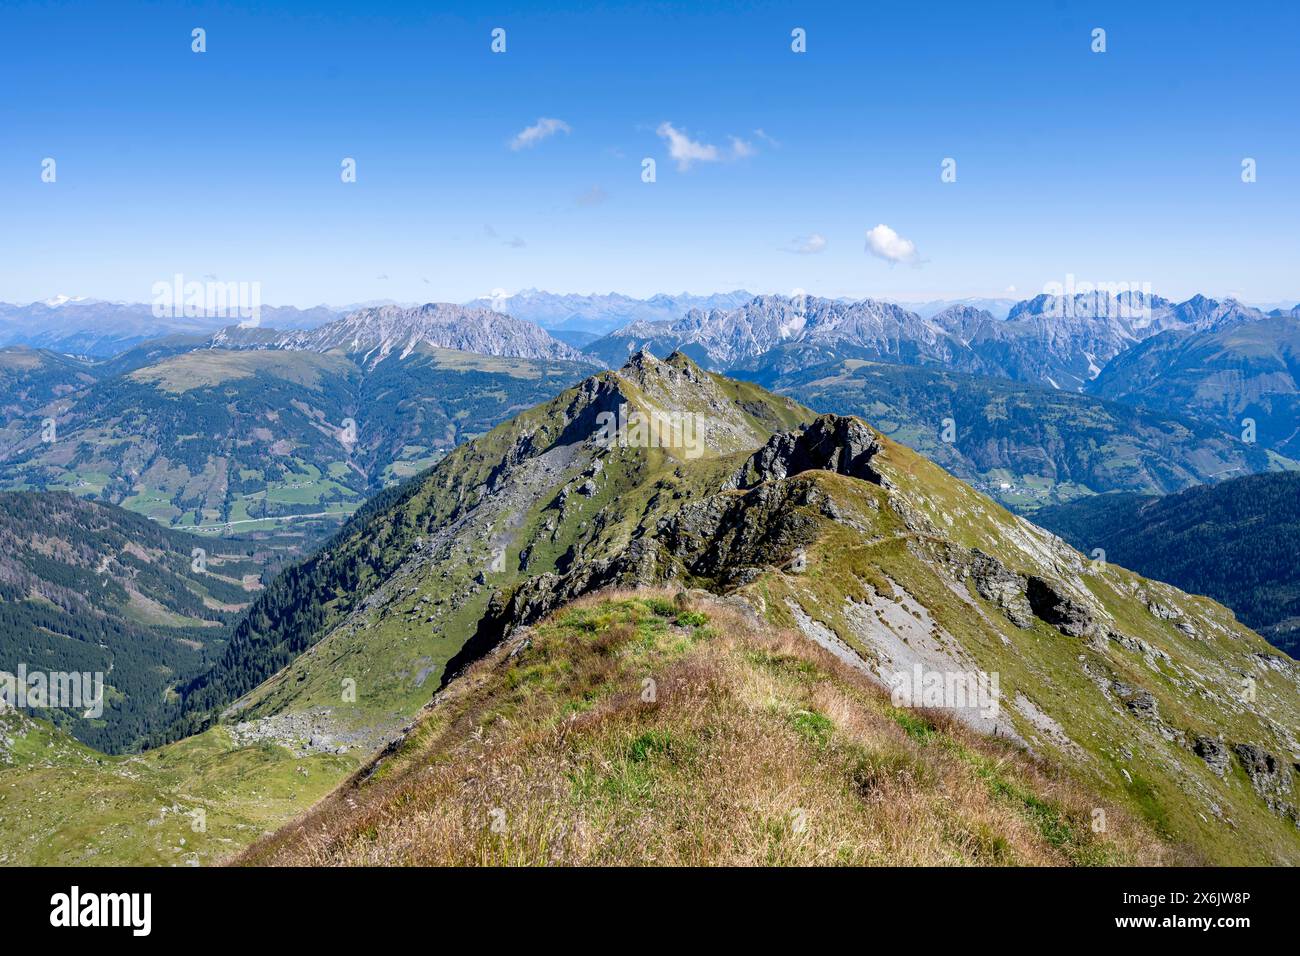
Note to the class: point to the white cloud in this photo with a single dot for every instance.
(687, 151)
(532, 135)
(810, 245)
(886, 244)
(741, 149)
(684, 149)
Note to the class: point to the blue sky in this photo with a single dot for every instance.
(1119, 166)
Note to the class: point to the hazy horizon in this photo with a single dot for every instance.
(1284, 302)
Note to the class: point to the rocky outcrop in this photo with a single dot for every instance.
(1269, 776)
(1064, 613)
(1214, 752)
(831, 443)
(995, 582)
(1026, 598)
(1141, 703)
(732, 539)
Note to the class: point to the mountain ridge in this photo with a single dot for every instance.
(374, 334)
(1063, 341)
(663, 475)
(1227, 374)
(827, 529)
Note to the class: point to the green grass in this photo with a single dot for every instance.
(193, 802)
(812, 726)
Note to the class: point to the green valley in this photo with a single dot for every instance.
(279, 444)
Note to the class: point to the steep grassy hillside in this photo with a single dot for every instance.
(1024, 445)
(1235, 541)
(630, 728)
(91, 588)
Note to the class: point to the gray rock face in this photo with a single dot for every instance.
(1214, 752)
(995, 582)
(1141, 703)
(1058, 609)
(831, 443)
(1269, 775)
(733, 539)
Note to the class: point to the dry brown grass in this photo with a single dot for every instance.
(760, 748)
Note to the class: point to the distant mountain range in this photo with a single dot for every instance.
(603, 313)
(1063, 342)
(194, 404)
(1081, 333)
(100, 329)
(372, 335)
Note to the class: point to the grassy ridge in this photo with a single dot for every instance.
(635, 728)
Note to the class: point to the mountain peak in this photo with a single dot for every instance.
(376, 333)
(640, 360)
